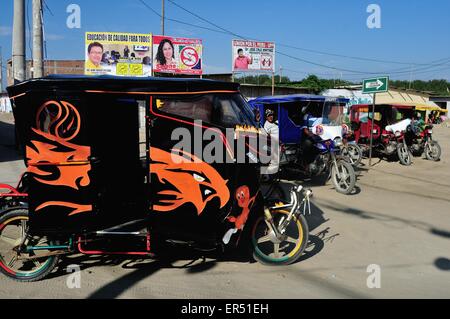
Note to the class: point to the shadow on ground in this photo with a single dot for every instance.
(442, 264)
(366, 214)
(190, 260)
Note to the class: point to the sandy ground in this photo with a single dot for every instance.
(399, 220)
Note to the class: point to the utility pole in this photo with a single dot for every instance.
(281, 74)
(1, 70)
(18, 39)
(38, 44)
(162, 18)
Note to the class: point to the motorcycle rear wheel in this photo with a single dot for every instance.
(433, 151)
(13, 226)
(347, 180)
(269, 250)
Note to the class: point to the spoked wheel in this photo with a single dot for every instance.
(343, 177)
(433, 151)
(404, 155)
(353, 153)
(15, 262)
(270, 250)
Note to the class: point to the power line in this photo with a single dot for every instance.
(48, 8)
(225, 31)
(299, 48)
(312, 62)
(179, 21)
(207, 21)
(245, 38)
(348, 56)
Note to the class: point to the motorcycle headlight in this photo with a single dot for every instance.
(338, 142)
(398, 134)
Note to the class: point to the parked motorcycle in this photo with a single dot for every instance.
(351, 150)
(421, 141)
(388, 139)
(327, 162)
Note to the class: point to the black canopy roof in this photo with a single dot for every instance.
(120, 84)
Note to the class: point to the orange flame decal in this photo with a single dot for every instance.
(62, 120)
(77, 208)
(71, 171)
(52, 158)
(190, 181)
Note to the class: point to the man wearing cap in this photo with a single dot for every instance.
(271, 127)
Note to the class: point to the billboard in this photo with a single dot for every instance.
(251, 56)
(121, 54)
(177, 55)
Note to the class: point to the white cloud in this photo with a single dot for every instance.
(211, 69)
(5, 31)
(185, 32)
(53, 37)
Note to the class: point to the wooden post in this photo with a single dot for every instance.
(273, 83)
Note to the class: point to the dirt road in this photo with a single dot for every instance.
(399, 221)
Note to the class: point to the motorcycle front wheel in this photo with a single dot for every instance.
(270, 250)
(404, 154)
(354, 154)
(343, 177)
(433, 151)
(15, 263)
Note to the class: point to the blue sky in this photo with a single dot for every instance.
(412, 31)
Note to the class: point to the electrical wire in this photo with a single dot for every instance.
(48, 8)
(428, 66)
(314, 51)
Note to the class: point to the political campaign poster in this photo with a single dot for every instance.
(120, 54)
(251, 56)
(177, 55)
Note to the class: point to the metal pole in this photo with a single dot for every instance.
(1, 70)
(18, 42)
(371, 130)
(273, 83)
(38, 45)
(162, 17)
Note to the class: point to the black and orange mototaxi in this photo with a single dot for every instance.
(106, 176)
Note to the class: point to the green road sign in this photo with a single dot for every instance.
(376, 85)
